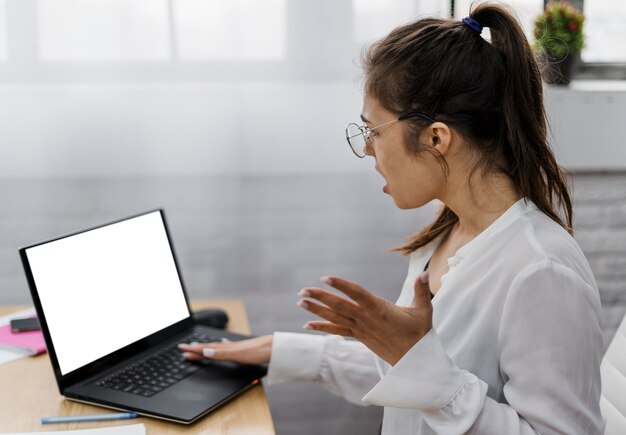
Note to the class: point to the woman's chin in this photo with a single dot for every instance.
(400, 204)
(406, 205)
(403, 205)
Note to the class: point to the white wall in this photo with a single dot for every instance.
(588, 122)
(196, 129)
(228, 128)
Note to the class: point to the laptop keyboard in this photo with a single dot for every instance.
(156, 372)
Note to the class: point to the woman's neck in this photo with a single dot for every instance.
(479, 203)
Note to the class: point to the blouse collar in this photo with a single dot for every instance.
(512, 214)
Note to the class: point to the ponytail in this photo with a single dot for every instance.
(525, 117)
(491, 93)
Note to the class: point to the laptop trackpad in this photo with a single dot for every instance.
(215, 382)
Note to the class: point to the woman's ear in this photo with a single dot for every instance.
(439, 137)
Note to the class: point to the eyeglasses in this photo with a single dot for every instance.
(359, 135)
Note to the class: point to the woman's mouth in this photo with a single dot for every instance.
(385, 187)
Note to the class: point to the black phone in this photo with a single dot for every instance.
(27, 324)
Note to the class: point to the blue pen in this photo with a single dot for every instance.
(91, 417)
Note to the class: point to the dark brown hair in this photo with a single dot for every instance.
(489, 92)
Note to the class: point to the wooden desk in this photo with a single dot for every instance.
(28, 391)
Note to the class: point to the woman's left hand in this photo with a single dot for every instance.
(387, 329)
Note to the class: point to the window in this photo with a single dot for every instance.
(605, 30)
(231, 29)
(159, 30)
(373, 19)
(104, 30)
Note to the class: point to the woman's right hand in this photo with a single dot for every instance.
(251, 351)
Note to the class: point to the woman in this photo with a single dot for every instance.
(510, 342)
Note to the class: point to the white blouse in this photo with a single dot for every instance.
(515, 346)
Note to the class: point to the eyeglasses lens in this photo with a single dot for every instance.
(356, 138)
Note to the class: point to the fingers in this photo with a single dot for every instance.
(329, 328)
(344, 315)
(189, 356)
(194, 351)
(357, 293)
(326, 313)
(337, 303)
(199, 351)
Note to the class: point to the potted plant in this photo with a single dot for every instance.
(559, 39)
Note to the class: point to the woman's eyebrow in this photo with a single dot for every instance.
(364, 119)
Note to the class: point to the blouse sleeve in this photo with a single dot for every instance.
(550, 346)
(344, 367)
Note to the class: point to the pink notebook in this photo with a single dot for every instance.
(31, 342)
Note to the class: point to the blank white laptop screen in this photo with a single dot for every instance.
(106, 288)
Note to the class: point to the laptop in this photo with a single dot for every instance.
(112, 308)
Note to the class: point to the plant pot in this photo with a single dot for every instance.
(558, 71)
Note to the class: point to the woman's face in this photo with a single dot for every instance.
(412, 180)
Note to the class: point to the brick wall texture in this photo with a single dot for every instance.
(600, 229)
